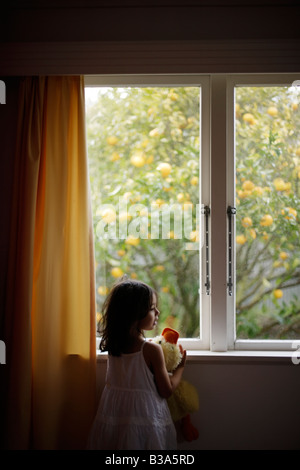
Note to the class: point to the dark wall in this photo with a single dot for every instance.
(150, 36)
(154, 20)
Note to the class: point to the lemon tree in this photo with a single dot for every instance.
(268, 210)
(143, 147)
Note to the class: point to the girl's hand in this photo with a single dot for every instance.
(154, 357)
(183, 359)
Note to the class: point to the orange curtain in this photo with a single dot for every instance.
(50, 317)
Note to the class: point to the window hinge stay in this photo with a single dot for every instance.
(206, 212)
(231, 211)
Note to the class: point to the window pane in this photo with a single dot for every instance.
(143, 147)
(267, 223)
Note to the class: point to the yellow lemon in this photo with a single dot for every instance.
(266, 220)
(165, 169)
(279, 184)
(115, 157)
(127, 196)
(294, 106)
(116, 272)
(158, 202)
(165, 289)
(194, 181)
(159, 267)
(247, 222)
(124, 216)
(138, 160)
(272, 111)
(121, 252)
(149, 159)
(108, 215)
(180, 197)
(102, 290)
(258, 191)
(112, 140)
(144, 212)
(253, 233)
(283, 255)
(172, 95)
(187, 206)
(131, 240)
(277, 293)
(194, 236)
(241, 239)
(244, 194)
(292, 212)
(249, 118)
(248, 185)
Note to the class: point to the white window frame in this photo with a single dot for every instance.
(232, 82)
(217, 174)
(202, 81)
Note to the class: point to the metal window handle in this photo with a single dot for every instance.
(206, 212)
(231, 211)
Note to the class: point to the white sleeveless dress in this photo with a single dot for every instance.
(131, 414)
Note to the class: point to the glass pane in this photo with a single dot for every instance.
(267, 148)
(143, 148)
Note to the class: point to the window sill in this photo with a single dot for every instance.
(234, 357)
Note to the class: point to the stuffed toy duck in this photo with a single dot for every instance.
(184, 399)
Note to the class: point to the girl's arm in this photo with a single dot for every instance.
(165, 383)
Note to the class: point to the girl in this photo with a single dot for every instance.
(133, 413)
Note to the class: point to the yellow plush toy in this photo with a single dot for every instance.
(184, 399)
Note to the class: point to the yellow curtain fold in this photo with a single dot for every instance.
(57, 367)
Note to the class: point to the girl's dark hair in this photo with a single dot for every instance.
(128, 302)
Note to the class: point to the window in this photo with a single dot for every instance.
(145, 146)
(266, 197)
(186, 174)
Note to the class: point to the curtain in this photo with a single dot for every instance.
(50, 311)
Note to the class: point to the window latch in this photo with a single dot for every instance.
(206, 212)
(231, 211)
